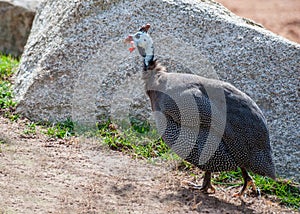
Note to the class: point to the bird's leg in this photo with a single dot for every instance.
(206, 185)
(248, 181)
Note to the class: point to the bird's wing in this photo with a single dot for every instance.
(193, 107)
(186, 117)
(245, 120)
(215, 108)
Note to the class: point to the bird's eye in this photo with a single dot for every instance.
(137, 36)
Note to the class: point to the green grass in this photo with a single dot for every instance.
(8, 66)
(60, 130)
(139, 141)
(286, 191)
(30, 128)
(6, 95)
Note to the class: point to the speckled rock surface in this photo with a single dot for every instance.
(15, 25)
(75, 64)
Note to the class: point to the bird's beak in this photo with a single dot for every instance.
(130, 41)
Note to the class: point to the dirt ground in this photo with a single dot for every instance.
(279, 16)
(42, 175)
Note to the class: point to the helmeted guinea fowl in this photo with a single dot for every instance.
(214, 133)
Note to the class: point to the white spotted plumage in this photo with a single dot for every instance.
(184, 116)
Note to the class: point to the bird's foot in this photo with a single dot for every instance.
(248, 183)
(204, 188)
(206, 184)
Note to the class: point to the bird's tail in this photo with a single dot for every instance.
(263, 164)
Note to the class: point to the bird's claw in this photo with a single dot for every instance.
(204, 188)
(255, 189)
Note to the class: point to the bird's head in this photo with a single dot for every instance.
(143, 42)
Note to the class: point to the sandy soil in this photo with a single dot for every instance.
(42, 175)
(280, 16)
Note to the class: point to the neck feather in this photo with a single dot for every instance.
(153, 68)
(153, 75)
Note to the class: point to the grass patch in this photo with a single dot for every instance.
(8, 66)
(60, 130)
(6, 95)
(138, 141)
(30, 129)
(286, 191)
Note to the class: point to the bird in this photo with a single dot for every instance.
(207, 122)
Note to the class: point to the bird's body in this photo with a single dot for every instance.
(209, 123)
(244, 140)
